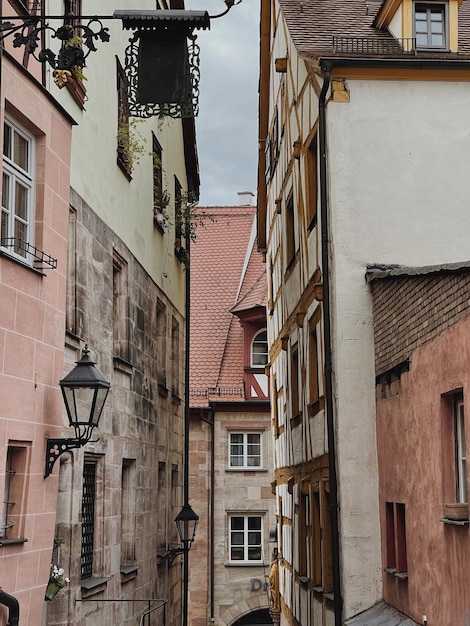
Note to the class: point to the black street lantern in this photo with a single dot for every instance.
(186, 522)
(84, 391)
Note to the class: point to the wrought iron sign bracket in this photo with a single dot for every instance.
(161, 60)
(77, 40)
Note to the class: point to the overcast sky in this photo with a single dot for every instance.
(227, 125)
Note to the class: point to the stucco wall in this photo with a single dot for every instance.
(389, 202)
(411, 426)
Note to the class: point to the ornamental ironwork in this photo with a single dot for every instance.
(77, 41)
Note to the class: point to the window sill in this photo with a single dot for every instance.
(247, 564)
(5, 254)
(124, 169)
(162, 390)
(313, 223)
(175, 398)
(315, 407)
(122, 365)
(12, 542)
(93, 585)
(393, 572)
(246, 469)
(455, 522)
(128, 572)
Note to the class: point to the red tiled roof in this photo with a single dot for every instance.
(221, 275)
(313, 23)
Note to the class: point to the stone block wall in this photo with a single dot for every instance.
(128, 322)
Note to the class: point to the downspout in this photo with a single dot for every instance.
(13, 608)
(211, 519)
(338, 602)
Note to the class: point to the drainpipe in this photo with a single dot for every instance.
(338, 602)
(210, 422)
(13, 608)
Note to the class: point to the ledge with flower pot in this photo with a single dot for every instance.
(57, 581)
(456, 513)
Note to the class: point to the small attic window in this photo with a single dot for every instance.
(259, 349)
(430, 25)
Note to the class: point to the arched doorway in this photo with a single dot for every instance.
(255, 618)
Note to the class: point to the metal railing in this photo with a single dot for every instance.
(27, 250)
(374, 45)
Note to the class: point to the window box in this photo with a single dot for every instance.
(456, 511)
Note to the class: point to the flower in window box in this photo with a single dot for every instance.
(57, 581)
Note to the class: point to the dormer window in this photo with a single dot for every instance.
(259, 349)
(430, 25)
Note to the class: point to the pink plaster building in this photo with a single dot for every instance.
(231, 442)
(422, 327)
(36, 134)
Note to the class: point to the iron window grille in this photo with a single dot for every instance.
(88, 519)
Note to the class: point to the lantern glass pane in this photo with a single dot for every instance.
(101, 394)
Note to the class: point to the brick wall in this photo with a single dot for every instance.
(411, 309)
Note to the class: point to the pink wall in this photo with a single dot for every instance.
(413, 432)
(32, 327)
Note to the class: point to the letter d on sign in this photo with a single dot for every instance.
(256, 584)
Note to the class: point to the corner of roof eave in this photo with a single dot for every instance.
(385, 14)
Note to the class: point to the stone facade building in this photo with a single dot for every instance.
(102, 205)
(231, 442)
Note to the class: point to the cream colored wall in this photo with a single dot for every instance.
(126, 206)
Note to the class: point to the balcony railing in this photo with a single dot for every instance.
(374, 45)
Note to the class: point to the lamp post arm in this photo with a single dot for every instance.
(56, 447)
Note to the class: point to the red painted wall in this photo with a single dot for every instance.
(416, 468)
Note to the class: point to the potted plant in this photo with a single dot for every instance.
(161, 200)
(57, 581)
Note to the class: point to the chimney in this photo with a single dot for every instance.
(245, 198)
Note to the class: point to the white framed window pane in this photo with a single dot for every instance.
(237, 554)
(254, 554)
(237, 523)
(17, 190)
(245, 450)
(461, 453)
(254, 523)
(7, 141)
(259, 349)
(21, 152)
(246, 538)
(21, 201)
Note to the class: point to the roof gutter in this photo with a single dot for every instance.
(327, 63)
(329, 408)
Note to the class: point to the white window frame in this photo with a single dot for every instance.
(460, 451)
(246, 560)
(429, 6)
(17, 175)
(245, 456)
(253, 341)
